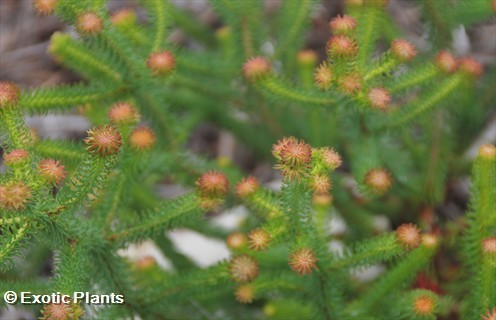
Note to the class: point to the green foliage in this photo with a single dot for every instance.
(398, 126)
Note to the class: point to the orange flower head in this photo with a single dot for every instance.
(247, 187)
(161, 63)
(236, 240)
(489, 245)
(52, 171)
(256, 68)
(446, 62)
(408, 235)
(331, 159)
(14, 196)
(424, 305)
(323, 76)
(343, 24)
(341, 46)
(378, 180)
(243, 268)
(89, 24)
(350, 83)
(9, 94)
(321, 184)
(379, 98)
(245, 293)
(490, 315)
(403, 50)
(259, 239)
(213, 184)
(487, 151)
(303, 261)
(103, 141)
(123, 113)
(44, 6)
(471, 67)
(123, 16)
(142, 138)
(15, 157)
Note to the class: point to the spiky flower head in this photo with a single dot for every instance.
(490, 315)
(307, 57)
(259, 239)
(213, 184)
(487, 151)
(161, 63)
(256, 68)
(378, 180)
(330, 158)
(62, 311)
(489, 245)
(103, 141)
(303, 261)
(343, 24)
(320, 183)
(247, 187)
(323, 76)
(424, 304)
(471, 67)
(408, 235)
(9, 94)
(236, 240)
(52, 171)
(142, 138)
(44, 6)
(379, 98)
(350, 83)
(295, 157)
(403, 50)
(14, 196)
(15, 157)
(341, 46)
(245, 293)
(446, 62)
(89, 23)
(123, 16)
(123, 113)
(243, 268)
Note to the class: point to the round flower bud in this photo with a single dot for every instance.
(341, 46)
(142, 138)
(323, 76)
(430, 240)
(89, 23)
(14, 196)
(44, 6)
(489, 245)
(259, 239)
(245, 293)
(123, 16)
(161, 63)
(247, 187)
(280, 145)
(146, 263)
(322, 200)
(378, 180)
(256, 68)
(331, 159)
(487, 151)
(408, 235)
(243, 268)
(307, 57)
(9, 94)
(446, 62)
(62, 311)
(379, 98)
(52, 171)
(424, 305)
(342, 25)
(213, 184)
(471, 67)
(123, 113)
(303, 261)
(350, 83)
(103, 141)
(490, 315)
(403, 50)
(15, 157)
(321, 184)
(236, 240)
